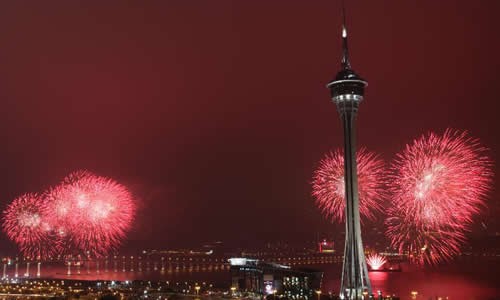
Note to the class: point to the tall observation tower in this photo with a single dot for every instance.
(347, 91)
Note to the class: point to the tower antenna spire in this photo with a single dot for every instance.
(345, 50)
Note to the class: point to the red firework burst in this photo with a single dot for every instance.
(329, 186)
(424, 245)
(92, 212)
(25, 222)
(438, 184)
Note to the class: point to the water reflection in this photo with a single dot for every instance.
(478, 279)
(379, 281)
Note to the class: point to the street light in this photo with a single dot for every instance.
(232, 290)
(197, 288)
(318, 292)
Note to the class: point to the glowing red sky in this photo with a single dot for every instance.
(216, 113)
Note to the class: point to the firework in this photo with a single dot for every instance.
(92, 213)
(424, 244)
(329, 186)
(376, 261)
(25, 222)
(438, 184)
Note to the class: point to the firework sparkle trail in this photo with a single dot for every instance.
(376, 261)
(25, 221)
(329, 187)
(438, 184)
(85, 214)
(96, 212)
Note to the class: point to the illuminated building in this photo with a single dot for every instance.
(326, 246)
(262, 278)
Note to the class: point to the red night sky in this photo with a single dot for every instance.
(215, 113)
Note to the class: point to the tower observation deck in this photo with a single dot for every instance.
(347, 91)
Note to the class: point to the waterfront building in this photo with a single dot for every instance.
(264, 278)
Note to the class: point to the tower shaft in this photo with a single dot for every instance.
(354, 273)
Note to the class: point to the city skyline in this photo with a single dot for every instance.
(190, 105)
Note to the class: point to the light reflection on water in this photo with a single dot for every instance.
(216, 274)
(459, 280)
(465, 279)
